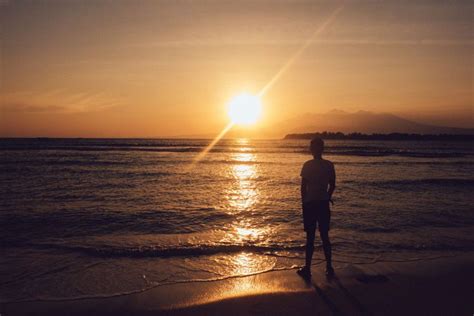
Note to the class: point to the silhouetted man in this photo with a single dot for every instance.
(318, 181)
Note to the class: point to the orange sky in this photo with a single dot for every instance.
(168, 68)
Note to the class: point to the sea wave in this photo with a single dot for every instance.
(348, 148)
(365, 152)
(166, 251)
(462, 182)
(277, 250)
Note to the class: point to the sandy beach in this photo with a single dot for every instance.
(437, 286)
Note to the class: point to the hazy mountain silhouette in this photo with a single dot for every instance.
(337, 121)
(362, 122)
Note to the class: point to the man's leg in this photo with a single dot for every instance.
(326, 247)
(305, 272)
(309, 247)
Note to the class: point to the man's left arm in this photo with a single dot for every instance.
(304, 183)
(332, 183)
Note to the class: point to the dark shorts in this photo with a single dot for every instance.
(316, 213)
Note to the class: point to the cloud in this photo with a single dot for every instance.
(231, 42)
(29, 108)
(55, 101)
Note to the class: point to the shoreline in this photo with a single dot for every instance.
(429, 286)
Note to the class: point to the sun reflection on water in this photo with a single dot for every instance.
(246, 232)
(244, 263)
(243, 196)
(243, 193)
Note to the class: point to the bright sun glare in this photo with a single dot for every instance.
(245, 109)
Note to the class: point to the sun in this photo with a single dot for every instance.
(245, 109)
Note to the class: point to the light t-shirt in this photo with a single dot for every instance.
(318, 173)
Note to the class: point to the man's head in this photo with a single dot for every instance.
(317, 146)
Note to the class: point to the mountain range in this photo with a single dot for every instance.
(361, 122)
(339, 121)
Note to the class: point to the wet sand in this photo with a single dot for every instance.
(437, 286)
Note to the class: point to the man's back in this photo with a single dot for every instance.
(318, 173)
(318, 182)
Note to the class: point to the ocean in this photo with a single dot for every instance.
(103, 217)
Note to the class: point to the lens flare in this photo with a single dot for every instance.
(246, 108)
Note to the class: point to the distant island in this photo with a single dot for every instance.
(390, 136)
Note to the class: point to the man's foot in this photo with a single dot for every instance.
(304, 272)
(329, 272)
